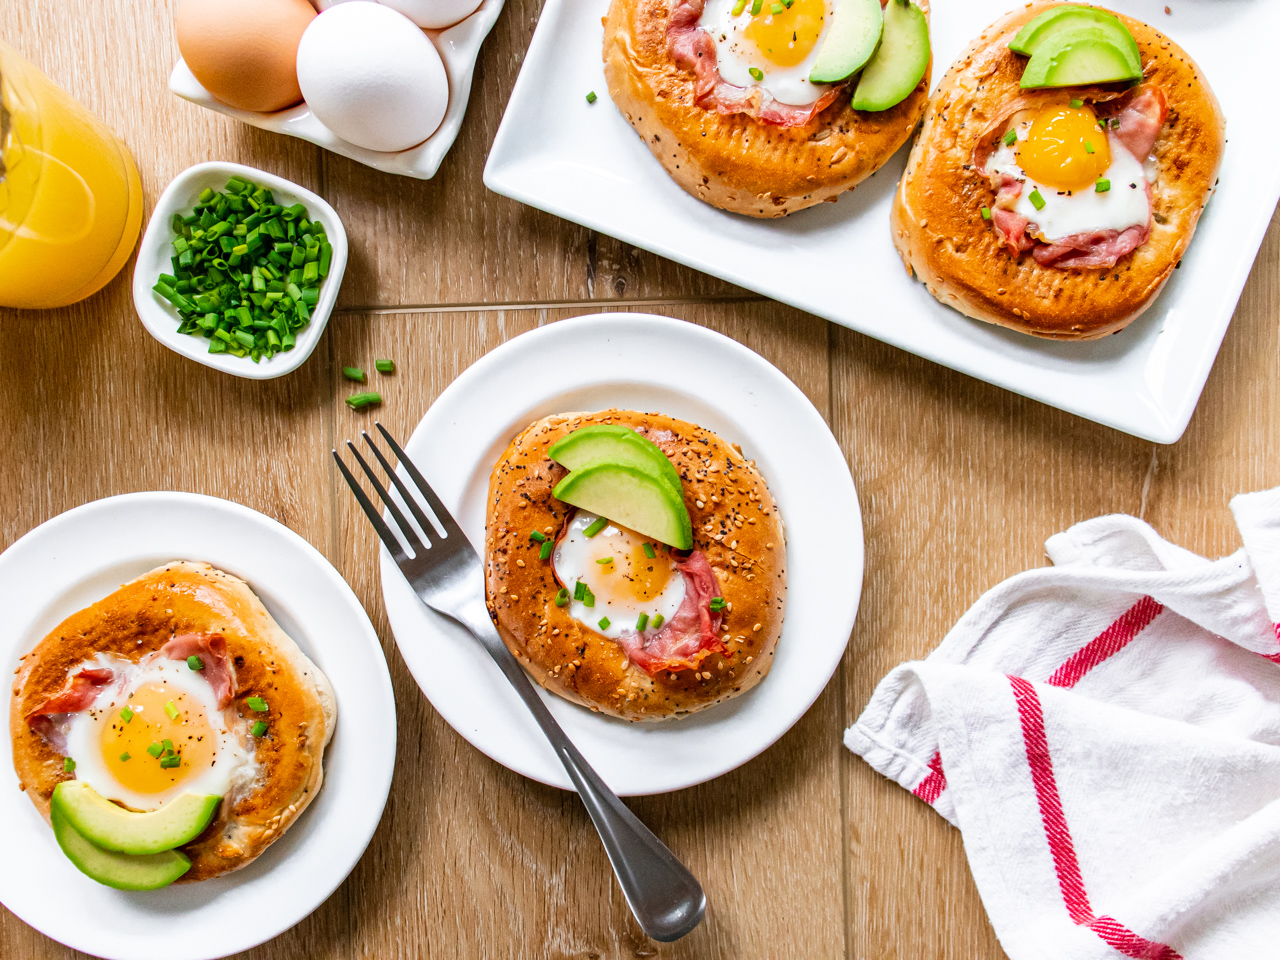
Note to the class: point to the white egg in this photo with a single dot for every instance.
(773, 51)
(372, 77)
(108, 741)
(434, 14)
(1067, 213)
(630, 584)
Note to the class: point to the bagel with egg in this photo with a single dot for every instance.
(995, 165)
(721, 602)
(201, 641)
(729, 140)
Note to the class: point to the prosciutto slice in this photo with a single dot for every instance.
(77, 693)
(1101, 248)
(691, 634)
(212, 649)
(693, 48)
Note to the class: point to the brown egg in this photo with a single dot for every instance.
(244, 52)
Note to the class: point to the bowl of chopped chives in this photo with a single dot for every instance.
(239, 269)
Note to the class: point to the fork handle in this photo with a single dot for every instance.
(666, 899)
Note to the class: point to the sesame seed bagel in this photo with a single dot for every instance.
(734, 161)
(942, 237)
(735, 524)
(139, 619)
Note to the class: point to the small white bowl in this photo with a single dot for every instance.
(156, 250)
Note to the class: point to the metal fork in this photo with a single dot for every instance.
(446, 574)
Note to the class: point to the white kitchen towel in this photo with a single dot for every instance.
(1105, 733)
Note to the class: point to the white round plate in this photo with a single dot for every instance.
(640, 362)
(79, 557)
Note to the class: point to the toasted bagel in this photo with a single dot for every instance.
(735, 161)
(735, 525)
(936, 220)
(139, 619)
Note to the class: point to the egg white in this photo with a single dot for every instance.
(233, 764)
(736, 55)
(576, 554)
(1066, 212)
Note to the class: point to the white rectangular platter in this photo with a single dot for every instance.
(583, 162)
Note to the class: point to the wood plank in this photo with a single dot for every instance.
(509, 868)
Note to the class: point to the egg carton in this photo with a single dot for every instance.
(459, 46)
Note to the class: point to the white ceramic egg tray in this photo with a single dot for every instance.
(459, 47)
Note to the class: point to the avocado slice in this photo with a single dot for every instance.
(631, 496)
(1068, 17)
(111, 827)
(851, 40)
(610, 443)
(118, 870)
(900, 62)
(1074, 58)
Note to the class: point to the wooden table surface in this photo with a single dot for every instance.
(804, 852)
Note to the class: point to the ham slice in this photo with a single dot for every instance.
(692, 48)
(77, 693)
(212, 649)
(1100, 248)
(691, 634)
(1140, 119)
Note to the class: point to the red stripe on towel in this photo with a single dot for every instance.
(1061, 847)
(931, 787)
(1106, 644)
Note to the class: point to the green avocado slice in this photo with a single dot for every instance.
(1076, 59)
(118, 870)
(1069, 17)
(900, 63)
(850, 41)
(631, 496)
(610, 443)
(111, 827)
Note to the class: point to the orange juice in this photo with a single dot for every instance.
(70, 198)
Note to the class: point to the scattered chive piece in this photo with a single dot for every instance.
(739, 7)
(259, 728)
(776, 9)
(642, 622)
(155, 750)
(657, 621)
(1088, 147)
(562, 598)
(589, 598)
(604, 623)
(603, 560)
(755, 6)
(1077, 104)
(170, 710)
(124, 756)
(384, 366)
(167, 744)
(256, 704)
(648, 551)
(717, 604)
(986, 213)
(358, 401)
(591, 97)
(757, 73)
(168, 753)
(579, 590)
(544, 552)
(1010, 137)
(595, 527)
(195, 663)
(537, 535)
(126, 714)
(168, 763)
(1037, 201)
(68, 764)
(1102, 186)
(353, 373)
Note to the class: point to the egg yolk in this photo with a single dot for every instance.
(1064, 148)
(627, 571)
(142, 723)
(788, 37)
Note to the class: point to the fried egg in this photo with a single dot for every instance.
(620, 582)
(1061, 154)
(155, 705)
(772, 49)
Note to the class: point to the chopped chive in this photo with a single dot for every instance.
(124, 756)
(68, 764)
(755, 7)
(642, 622)
(776, 9)
(170, 710)
(195, 663)
(562, 598)
(756, 73)
(259, 728)
(648, 551)
(579, 590)
(604, 623)
(739, 7)
(657, 621)
(603, 560)
(717, 604)
(1077, 104)
(358, 401)
(599, 524)
(1102, 186)
(155, 750)
(167, 745)
(384, 366)
(537, 535)
(544, 552)
(591, 97)
(1010, 136)
(589, 598)
(126, 714)
(1088, 147)
(353, 373)
(1037, 201)
(168, 763)
(986, 213)
(256, 704)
